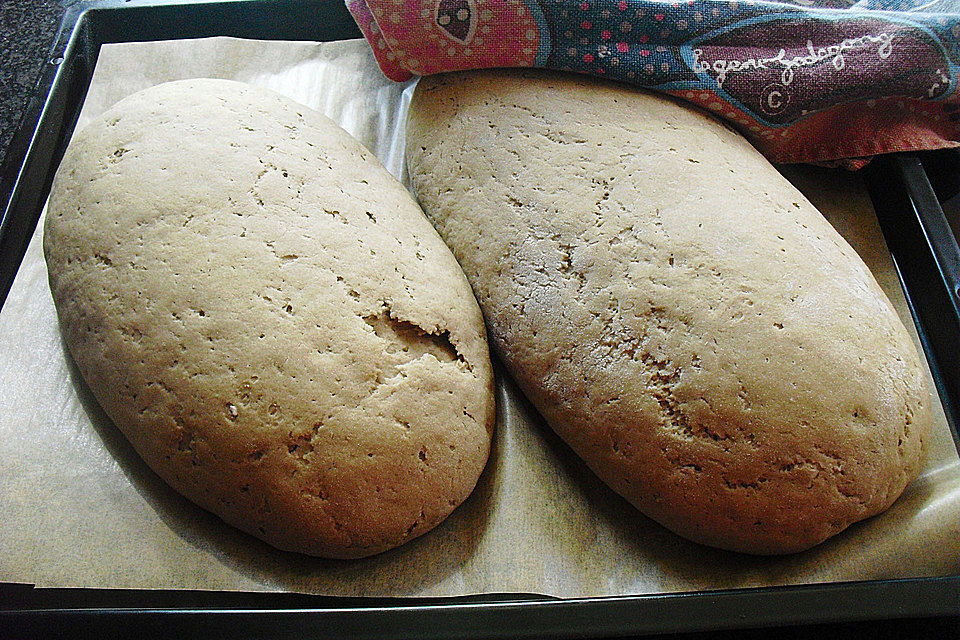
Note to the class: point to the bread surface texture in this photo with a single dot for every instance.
(266, 314)
(678, 312)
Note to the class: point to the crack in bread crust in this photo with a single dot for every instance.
(268, 317)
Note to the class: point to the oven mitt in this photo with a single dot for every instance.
(825, 81)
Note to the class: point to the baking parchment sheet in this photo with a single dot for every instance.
(79, 508)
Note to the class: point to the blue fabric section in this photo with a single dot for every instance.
(791, 50)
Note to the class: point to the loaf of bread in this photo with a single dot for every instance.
(678, 312)
(266, 314)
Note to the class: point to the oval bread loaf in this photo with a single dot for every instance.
(266, 314)
(679, 313)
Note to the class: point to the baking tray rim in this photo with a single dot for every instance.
(68, 70)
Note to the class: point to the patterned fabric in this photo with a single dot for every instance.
(805, 80)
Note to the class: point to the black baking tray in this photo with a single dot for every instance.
(907, 191)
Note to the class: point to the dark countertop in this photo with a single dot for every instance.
(27, 29)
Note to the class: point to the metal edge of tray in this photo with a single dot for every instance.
(911, 227)
(927, 261)
(501, 617)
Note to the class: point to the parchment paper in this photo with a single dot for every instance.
(79, 508)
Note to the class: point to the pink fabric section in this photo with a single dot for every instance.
(386, 58)
(409, 38)
(845, 135)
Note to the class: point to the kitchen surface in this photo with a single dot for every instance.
(27, 29)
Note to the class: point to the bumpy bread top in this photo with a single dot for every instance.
(681, 315)
(267, 315)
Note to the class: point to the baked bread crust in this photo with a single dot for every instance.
(679, 313)
(265, 313)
